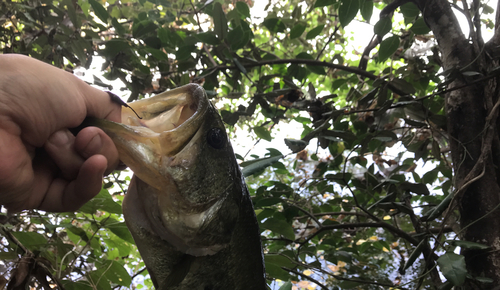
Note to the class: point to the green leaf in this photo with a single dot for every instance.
(347, 11)
(287, 286)
(70, 8)
(99, 10)
(120, 229)
(349, 284)
(388, 47)
(323, 3)
(98, 280)
(102, 201)
(453, 268)
(220, 22)
(118, 27)
(304, 55)
(440, 208)
(279, 260)
(415, 254)
(144, 28)
(31, 240)
(296, 145)
(276, 272)
(409, 10)
(279, 227)
(263, 133)
(156, 53)
(85, 5)
(268, 201)
(317, 69)
(77, 285)
(206, 37)
(244, 71)
(420, 27)
(367, 10)
(116, 46)
(6, 256)
(237, 38)
(403, 86)
(117, 274)
(418, 188)
(274, 25)
(314, 32)
(257, 165)
(468, 245)
(297, 30)
(243, 9)
(383, 26)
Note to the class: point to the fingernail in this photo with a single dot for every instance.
(59, 138)
(93, 147)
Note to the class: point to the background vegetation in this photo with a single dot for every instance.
(397, 187)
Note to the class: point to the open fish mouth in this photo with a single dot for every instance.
(154, 130)
(172, 117)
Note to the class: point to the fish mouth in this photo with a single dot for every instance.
(154, 130)
(172, 118)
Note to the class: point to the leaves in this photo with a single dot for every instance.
(279, 226)
(388, 47)
(220, 22)
(99, 10)
(347, 11)
(263, 133)
(322, 3)
(206, 37)
(297, 30)
(253, 166)
(31, 240)
(420, 27)
(382, 27)
(274, 25)
(102, 201)
(366, 9)
(314, 32)
(453, 268)
(415, 254)
(117, 274)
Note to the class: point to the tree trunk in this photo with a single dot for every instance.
(474, 141)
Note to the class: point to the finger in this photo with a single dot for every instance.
(60, 147)
(63, 195)
(100, 104)
(44, 170)
(92, 141)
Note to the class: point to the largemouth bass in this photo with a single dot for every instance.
(187, 205)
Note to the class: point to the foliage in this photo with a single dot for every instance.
(359, 210)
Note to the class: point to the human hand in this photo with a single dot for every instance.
(42, 165)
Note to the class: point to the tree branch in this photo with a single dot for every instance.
(387, 226)
(312, 62)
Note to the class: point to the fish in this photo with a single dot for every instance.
(187, 206)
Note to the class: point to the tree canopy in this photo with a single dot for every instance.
(391, 182)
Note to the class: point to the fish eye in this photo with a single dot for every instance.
(216, 138)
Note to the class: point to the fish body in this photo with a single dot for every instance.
(187, 205)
